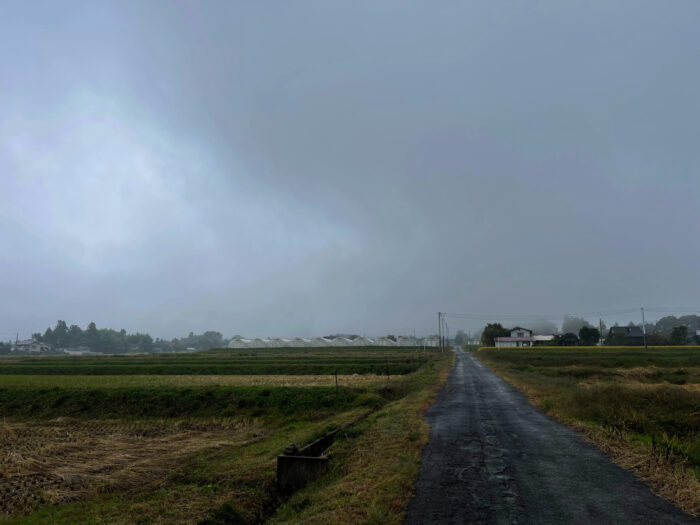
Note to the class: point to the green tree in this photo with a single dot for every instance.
(48, 336)
(589, 336)
(679, 334)
(461, 338)
(92, 337)
(75, 335)
(568, 339)
(491, 331)
(146, 344)
(60, 334)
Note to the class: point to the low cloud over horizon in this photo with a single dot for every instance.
(306, 169)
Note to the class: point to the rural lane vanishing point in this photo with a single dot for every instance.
(495, 458)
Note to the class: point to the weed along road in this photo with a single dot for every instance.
(495, 458)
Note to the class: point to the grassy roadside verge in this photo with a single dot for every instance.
(374, 465)
(625, 403)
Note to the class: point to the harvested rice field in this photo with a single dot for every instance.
(130, 440)
(65, 460)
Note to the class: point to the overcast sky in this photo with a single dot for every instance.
(292, 168)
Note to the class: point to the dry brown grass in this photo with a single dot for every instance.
(120, 381)
(638, 372)
(668, 477)
(66, 460)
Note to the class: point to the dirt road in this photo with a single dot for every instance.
(495, 458)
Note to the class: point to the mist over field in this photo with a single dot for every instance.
(304, 168)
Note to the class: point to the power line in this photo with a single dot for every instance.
(597, 313)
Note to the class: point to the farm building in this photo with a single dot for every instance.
(300, 342)
(543, 340)
(340, 341)
(519, 337)
(631, 335)
(432, 341)
(239, 342)
(32, 346)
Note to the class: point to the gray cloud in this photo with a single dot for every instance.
(308, 168)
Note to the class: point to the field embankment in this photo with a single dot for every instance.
(642, 407)
(113, 447)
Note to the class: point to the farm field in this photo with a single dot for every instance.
(190, 448)
(642, 407)
(145, 381)
(284, 361)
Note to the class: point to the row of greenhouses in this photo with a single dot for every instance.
(322, 342)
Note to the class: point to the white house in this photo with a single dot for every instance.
(31, 346)
(432, 341)
(519, 337)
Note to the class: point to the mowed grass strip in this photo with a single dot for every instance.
(149, 381)
(652, 428)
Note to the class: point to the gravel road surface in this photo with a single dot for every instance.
(495, 458)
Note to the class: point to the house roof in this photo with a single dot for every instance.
(633, 331)
(520, 328)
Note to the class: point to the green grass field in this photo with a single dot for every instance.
(192, 438)
(643, 406)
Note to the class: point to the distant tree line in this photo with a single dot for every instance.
(669, 330)
(111, 341)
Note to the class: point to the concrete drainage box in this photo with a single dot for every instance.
(297, 467)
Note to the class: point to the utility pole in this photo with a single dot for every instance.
(644, 330)
(444, 333)
(440, 330)
(600, 328)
